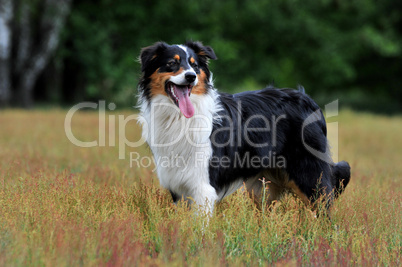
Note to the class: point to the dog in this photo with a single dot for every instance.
(208, 144)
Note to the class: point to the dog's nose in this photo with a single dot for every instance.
(190, 77)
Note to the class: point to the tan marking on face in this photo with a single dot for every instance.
(192, 60)
(177, 57)
(200, 87)
(158, 81)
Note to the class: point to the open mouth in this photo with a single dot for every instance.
(180, 94)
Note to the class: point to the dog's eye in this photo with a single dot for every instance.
(194, 65)
(171, 64)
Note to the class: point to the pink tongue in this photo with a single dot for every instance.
(185, 105)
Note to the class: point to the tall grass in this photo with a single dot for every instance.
(61, 205)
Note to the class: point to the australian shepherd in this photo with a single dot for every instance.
(208, 144)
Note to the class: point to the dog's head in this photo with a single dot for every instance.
(175, 71)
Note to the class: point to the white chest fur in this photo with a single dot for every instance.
(181, 146)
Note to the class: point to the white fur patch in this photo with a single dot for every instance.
(184, 48)
(181, 146)
(180, 79)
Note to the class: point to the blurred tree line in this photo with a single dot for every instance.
(344, 49)
(29, 34)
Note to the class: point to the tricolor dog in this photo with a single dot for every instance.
(208, 144)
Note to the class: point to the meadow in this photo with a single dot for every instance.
(63, 205)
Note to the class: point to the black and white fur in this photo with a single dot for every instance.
(216, 131)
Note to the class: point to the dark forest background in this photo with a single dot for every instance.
(60, 52)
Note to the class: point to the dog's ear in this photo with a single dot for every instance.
(150, 53)
(202, 51)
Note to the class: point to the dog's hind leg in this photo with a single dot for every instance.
(311, 180)
(266, 187)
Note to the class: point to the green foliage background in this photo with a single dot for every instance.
(343, 49)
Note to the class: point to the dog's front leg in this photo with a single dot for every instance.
(204, 197)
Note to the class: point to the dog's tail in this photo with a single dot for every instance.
(341, 172)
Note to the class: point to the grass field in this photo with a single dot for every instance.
(62, 205)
